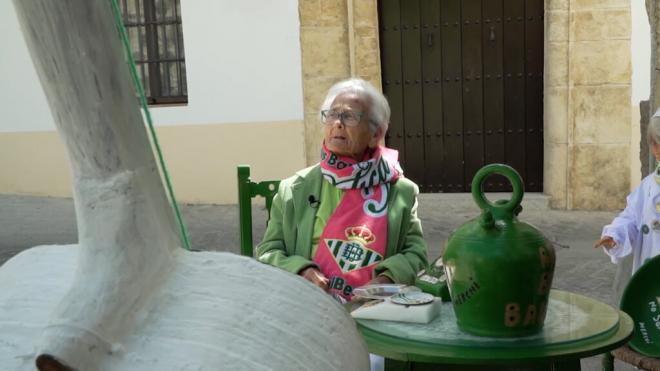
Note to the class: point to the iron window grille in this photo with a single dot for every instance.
(156, 38)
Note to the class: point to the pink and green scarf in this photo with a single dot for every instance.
(354, 239)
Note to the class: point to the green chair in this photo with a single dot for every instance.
(247, 189)
(641, 300)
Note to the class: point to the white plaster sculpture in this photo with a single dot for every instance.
(127, 297)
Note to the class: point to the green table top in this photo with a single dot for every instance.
(575, 327)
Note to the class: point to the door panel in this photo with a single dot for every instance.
(534, 96)
(513, 14)
(431, 45)
(464, 79)
(413, 118)
(390, 51)
(473, 143)
(493, 45)
(452, 99)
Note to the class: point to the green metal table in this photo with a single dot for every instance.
(575, 327)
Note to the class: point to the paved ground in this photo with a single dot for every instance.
(32, 221)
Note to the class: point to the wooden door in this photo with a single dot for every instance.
(464, 79)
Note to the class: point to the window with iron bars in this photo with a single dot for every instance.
(156, 39)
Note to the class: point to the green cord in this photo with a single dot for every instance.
(145, 108)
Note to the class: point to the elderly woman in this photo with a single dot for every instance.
(351, 219)
(636, 230)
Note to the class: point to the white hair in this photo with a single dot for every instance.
(653, 130)
(378, 108)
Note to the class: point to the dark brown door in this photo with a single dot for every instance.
(464, 79)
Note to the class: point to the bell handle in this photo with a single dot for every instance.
(478, 193)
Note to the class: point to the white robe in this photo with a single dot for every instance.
(636, 229)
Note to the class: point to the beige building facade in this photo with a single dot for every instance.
(591, 128)
(245, 105)
(591, 118)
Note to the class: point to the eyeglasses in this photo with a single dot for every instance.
(348, 118)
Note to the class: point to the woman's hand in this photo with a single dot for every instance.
(606, 242)
(380, 280)
(313, 275)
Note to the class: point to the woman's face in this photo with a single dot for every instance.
(349, 140)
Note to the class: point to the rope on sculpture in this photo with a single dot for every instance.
(143, 100)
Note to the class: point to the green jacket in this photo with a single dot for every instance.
(287, 242)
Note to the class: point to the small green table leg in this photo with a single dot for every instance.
(608, 362)
(567, 365)
(394, 365)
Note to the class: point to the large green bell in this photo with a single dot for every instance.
(498, 268)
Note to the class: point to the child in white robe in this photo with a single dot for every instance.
(636, 229)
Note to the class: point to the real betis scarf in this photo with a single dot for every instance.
(354, 239)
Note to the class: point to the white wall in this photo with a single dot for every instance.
(22, 101)
(640, 44)
(242, 60)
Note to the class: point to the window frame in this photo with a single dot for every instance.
(157, 90)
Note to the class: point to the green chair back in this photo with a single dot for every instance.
(247, 189)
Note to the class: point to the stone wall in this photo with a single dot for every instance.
(339, 39)
(649, 107)
(587, 103)
(587, 88)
